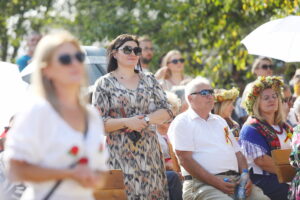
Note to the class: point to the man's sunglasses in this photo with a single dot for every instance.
(265, 67)
(67, 59)
(204, 93)
(128, 50)
(175, 61)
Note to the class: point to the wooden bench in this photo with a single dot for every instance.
(285, 172)
(112, 187)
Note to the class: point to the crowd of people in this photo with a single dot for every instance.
(173, 136)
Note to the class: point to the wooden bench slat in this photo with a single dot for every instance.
(284, 171)
(112, 187)
(110, 194)
(281, 156)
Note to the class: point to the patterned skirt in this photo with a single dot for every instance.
(142, 164)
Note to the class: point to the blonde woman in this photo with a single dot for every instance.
(224, 105)
(172, 71)
(264, 132)
(57, 137)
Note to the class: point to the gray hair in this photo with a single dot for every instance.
(193, 84)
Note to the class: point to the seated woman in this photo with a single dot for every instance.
(264, 131)
(171, 163)
(224, 100)
(172, 71)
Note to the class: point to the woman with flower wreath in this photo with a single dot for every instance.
(264, 131)
(224, 100)
(57, 140)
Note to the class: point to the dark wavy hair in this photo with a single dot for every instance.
(115, 45)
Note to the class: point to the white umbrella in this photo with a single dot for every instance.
(279, 39)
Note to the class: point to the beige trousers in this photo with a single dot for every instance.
(197, 190)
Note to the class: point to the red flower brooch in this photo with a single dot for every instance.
(74, 151)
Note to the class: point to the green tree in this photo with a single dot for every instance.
(16, 22)
(208, 32)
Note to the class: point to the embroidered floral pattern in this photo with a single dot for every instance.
(227, 135)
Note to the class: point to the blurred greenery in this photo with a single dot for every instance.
(207, 32)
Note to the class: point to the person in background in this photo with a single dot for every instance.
(262, 66)
(172, 71)
(295, 112)
(32, 41)
(58, 136)
(132, 103)
(287, 102)
(224, 105)
(207, 151)
(263, 132)
(179, 91)
(147, 52)
(171, 162)
(11, 191)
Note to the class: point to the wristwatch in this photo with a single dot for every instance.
(147, 119)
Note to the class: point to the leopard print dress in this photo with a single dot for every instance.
(142, 161)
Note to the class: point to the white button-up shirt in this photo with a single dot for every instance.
(212, 148)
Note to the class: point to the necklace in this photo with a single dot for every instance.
(273, 129)
(278, 132)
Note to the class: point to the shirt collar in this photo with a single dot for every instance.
(193, 115)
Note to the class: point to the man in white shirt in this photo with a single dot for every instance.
(207, 151)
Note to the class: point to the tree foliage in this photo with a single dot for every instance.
(207, 32)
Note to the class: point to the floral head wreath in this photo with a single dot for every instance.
(273, 82)
(225, 95)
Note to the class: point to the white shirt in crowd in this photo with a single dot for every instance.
(41, 137)
(206, 139)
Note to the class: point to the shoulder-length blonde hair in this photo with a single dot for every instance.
(41, 59)
(279, 116)
(219, 107)
(165, 61)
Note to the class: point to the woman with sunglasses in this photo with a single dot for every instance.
(172, 71)
(57, 140)
(132, 103)
(263, 132)
(224, 105)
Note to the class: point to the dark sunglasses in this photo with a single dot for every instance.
(265, 67)
(204, 93)
(175, 61)
(66, 59)
(128, 50)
